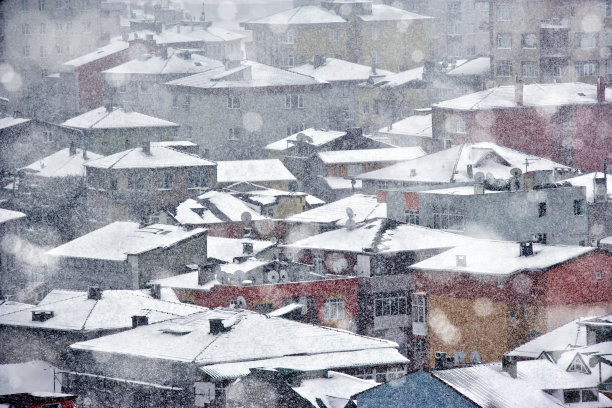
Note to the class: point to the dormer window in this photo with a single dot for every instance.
(578, 366)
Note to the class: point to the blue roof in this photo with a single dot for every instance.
(418, 390)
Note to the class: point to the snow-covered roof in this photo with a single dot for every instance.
(300, 15)
(392, 154)
(102, 52)
(365, 207)
(319, 138)
(568, 336)
(382, 12)
(166, 37)
(342, 183)
(226, 249)
(476, 66)
(333, 389)
(117, 118)
(74, 311)
(572, 93)
(62, 164)
(175, 143)
(261, 76)
(418, 125)
(586, 180)
(409, 237)
(248, 340)
(400, 78)
(10, 215)
(336, 70)
(9, 121)
(451, 164)
(176, 63)
(115, 241)
(214, 207)
(213, 34)
(255, 171)
(160, 157)
(500, 258)
(34, 376)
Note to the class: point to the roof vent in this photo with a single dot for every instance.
(94, 293)
(461, 260)
(509, 365)
(318, 61)
(526, 248)
(41, 315)
(156, 291)
(217, 326)
(247, 248)
(412, 172)
(146, 147)
(139, 320)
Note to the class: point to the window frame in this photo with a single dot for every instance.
(418, 308)
(334, 309)
(233, 102)
(504, 12)
(390, 304)
(525, 43)
(582, 71)
(504, 41)
(532, 71)
(579, 207)
(504, 69)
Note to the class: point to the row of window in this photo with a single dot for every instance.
(163, 180)
(529, 69)
(292, 101)
(530, 41)
(44, 51)
(288, 37)
(42, 28)
(43, 4)
(390, 304)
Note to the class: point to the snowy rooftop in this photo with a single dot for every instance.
(319, 138)
(476, 66)
(332, 389)
(573, 93)
(440, 167)
(255, 171)
(115, 241)
(568, 336)
(73, 311)
(173, 143)
(381, 12)
(393, 154)
(500, 258)
(365, 207)
(213, 34)
(9, 121)
(34, 376)
(62, 164)
(166, 37)
(300, 15)
(160, 157)
(335, 69)
(214, 207)
(586, 180)
(261, 76)
(10, 215)
(117, 118)
(409, 237)
(156, 65)
(102, 52)
(419, 125)
(248, 340)
(400, 78)
(226, 249)
(342, 183)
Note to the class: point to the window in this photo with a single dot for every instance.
(84, 4)
(43, 51)
(196, 179)
(420, 345)
(504, 41)
(366, 107)
(233, 102)
(609, 65)
(570, 396)
(234, 134)
(187, 102)
(317, 262)
(454, 7)
(41, 5)
(51, 406)
(43, 28)
(587, 68)
(578, 207)
(412, 217)
(114, 183)
(529, 69)
(453, 28)
(175, 101)
(448, 218)
(529, 41)
(59, 49)
(86, 27)
(419, 308)
(578, 366)
(334, 35)
(504, 12)
(293, 129)
(586, 40)
(557, 68)
(333, 309)
(135, 181)
(69, 26)
(58, 4)
(25, 6)
(47, 136)
(587, 396)
(287, 61)
(504, 68)
(25, 29)
(541, 209)
(513, 314)
(376, 34)
(354, 169)
(377, 106)
(390, 304)
(26, 50)
(164, 180)
(541, 238)
(460, 125)
(293, 101)
(287, 37)
(608, 8)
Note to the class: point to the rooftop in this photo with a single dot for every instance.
(255, 171)
(365, 207)
(114, 242)
(300, 15)
(333, 389)
(117, 118)
(573, 93)
(569, 336)
(476, 66)
(418, 125)
(213, 34)
(393, 154)
(337, 70)
(176, 63)
(10, 215)
(586, 180)
(381, 12)
(160, 157)
(10, 121)
(33, 376)
(226, 249)
(166, 37)
(214, 207)
(319, 138)
(102, 52)
(61, 164)
(399, 79)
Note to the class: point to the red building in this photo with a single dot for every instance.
(570, 123)
(33, 400)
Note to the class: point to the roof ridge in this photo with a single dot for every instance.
(103, 117)
(121, 158)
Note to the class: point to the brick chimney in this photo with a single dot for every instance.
(601, 89)
(518, 92)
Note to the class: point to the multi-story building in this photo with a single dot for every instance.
(10, 231)
(359, 31)
(557, 41)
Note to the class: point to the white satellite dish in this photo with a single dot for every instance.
(272, 277)
(241, 302)
(516, 172)
(479, 177)
(350, 223)
(459, 356)
(490, 179)
(283, 276)
(475, 357)
(246, 217)
(350, 212)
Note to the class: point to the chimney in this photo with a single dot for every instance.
(207, 272)
(178, 28)
(41, 315)
(217, 326)
(247, 248)
(461, 260)
(526, 248)
(72, 149)
(163, 52)
(354, 132)
(518, 92)
(601, 89)
(108, 107)
(412, 172)
(146, 147)
(509, 365)
(94, 293)
(16, 114)
(440, 360)
(470, 171)
(156, 291)
(125, 36)
(600, 189)
(139, 320)
(84, 153)
(318, 61)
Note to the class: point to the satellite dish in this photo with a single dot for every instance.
(475, 357)
(459, 356)
(350, 223)
(246, 217)
(241, 302)
(479, 177)
(272, 277)
(516, 172)
(350, 212)
(490, 179)
(283, 276)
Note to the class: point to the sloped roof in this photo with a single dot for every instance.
(156, 65)
(117, 118)
(335, 69)
(226, 249)
(300, 15)
(365, 207)
(10, 215)
(342, 183)
(213, 34)
(319, 138)
(34, 376)
(476, 66)
(409, 237)
(73, 311)
(568, 336)
(500, 258)
(586, 180)
(571, 93)
(382, 12)
(392, 154)
(102, 52)
(418, 125)
(215, 207)
(160, 157)
(335, 389)
(399, 79)
(255, 171)
(248, 340)
(10, 121)
(115, 241)
(62, 164)
(169, 36)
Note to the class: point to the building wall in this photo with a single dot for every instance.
(110, 141)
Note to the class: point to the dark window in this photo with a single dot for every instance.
(587, 396)
(389, 304)
(578, 207)
(263, 308)
(570, 396)
(541, 209)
